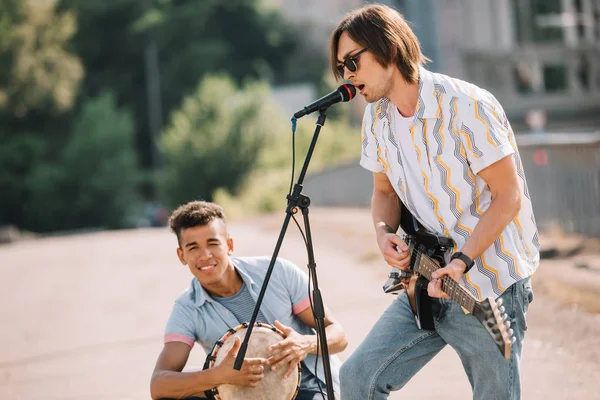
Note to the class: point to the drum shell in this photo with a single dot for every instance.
(273, 386)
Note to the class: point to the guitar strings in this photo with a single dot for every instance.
(446, 279)
(449, 281)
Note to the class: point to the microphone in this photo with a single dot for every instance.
(345, 92)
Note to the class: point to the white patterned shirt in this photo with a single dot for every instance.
(458, 129)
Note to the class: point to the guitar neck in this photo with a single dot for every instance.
(426, 266)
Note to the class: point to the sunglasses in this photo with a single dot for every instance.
(350, 63)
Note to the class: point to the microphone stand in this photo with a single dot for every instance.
(296, 201)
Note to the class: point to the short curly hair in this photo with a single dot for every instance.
(195, 213)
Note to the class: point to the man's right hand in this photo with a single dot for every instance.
(249, 375)
(394, 250)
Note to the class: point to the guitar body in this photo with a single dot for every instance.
(420, 302)
(427, 252)
(420, 240)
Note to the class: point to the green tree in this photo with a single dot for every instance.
(116, 41)
(214, 140)
(19, 156)
(101, 160)
(12, 13)
(266, 187)
(113, 57)
(93, 184)
(39, 79)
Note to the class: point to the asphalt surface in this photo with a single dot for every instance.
(82, 317)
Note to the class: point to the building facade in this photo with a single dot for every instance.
(541, 58)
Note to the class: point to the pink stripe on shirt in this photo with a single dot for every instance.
(176, 337)
(303, 305)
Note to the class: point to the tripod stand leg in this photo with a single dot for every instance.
(318, 308)
(239, 360)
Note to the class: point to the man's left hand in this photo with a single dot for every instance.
(290, 351)
(455, 269)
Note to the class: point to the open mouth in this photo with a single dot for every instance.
(360, 88)
(207, 268)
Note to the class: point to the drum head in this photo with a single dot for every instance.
(273, 386)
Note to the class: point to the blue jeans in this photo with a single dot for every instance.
(395, 349)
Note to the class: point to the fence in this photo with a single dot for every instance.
(562, 171)
(563, 176)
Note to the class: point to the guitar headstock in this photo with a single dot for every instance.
(493, 317)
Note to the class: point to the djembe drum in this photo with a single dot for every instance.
(273, 386)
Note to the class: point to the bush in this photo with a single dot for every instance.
(234, 148)
(214, 140)
(94, 182)
(266, 187)
(20, 155)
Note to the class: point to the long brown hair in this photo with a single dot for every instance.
(386, 34)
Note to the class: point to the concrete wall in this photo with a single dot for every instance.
(348, 185)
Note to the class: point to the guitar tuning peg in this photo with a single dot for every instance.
(505, 317)
(513, 340)
(510, 332)
(499, 302)
(507, 323)
(501, 309)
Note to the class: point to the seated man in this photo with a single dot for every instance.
(223, 295)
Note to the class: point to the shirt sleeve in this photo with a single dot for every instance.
(180, 326)
(296, 282)
(368, 157)
(485, 133)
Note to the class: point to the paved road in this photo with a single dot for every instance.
(82, 316)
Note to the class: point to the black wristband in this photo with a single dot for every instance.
(464, 258)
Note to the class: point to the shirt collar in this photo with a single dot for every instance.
(427, 105)
(201, 295)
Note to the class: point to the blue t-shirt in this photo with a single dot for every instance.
(197, 317)
(241, 305)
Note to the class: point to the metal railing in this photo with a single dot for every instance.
(563, 177)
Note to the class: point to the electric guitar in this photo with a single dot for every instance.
(427, 252)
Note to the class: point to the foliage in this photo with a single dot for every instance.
(19, 157)
(192, 39)
(101, 161)
(12, 13)
(39, 79)
(43, 75)
(234, 147)
(213, 140)
(92, 183)
(80, 79)
(266, 187)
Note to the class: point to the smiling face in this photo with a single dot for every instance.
(206, 249)
(373, 80)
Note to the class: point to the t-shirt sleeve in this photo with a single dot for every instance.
(369, 158)
(180, 326)
(296, 282)
(485, 133)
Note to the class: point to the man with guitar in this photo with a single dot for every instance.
(447, 170)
